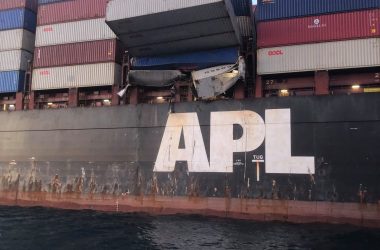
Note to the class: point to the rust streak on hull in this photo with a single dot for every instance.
(366, 215)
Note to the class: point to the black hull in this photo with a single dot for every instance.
(94, 157)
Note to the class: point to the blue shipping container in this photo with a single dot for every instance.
(50, 1)
(18, 19)
(11, 81)
(187, 61)
(242, 7)
(278, 9)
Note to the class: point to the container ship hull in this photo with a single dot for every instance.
(298, 159)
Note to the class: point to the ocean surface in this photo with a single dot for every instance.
(40, 228)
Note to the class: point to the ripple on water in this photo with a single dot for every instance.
(40, 228)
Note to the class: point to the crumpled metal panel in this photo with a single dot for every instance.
(154, 78)
(212, 82)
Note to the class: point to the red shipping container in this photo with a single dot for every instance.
(12, 4)
(78, 53)
(315, 29)
(69, 11)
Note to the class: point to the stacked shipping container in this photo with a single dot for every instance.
(155, 28)
(17, 28)
(325, 36)
(187, 61)
(242, 9)
(74, 46)
(205, 58)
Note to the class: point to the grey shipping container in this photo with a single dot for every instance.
(358, 53)
(14, 60)
(245, 25)
(73, 32)
(173, 26)
(88, 75)
(16, 39)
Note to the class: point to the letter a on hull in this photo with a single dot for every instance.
(194, 152)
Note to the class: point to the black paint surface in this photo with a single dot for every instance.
(116, 147)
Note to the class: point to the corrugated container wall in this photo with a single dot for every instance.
(18, 19)
(151, 28)
(73, 32)
(16, 39)
(74, 46)
(278, 9)
(89, 75)
(126, 9)
(195, 44)
(245, 25)
(17, 27)
(14, 60)
(187, 61)
(341, 26)
(178, 33)
(78, 53)
(253, 21)
(358, 53)
(11, 81)
(13, 4)
(242, 7)
(40, 2)
(71, 11)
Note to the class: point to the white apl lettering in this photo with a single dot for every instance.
(278, 155)
(221, 137)
(194, 152)
(276, 130)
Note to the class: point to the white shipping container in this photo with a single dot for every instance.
(16, 39)
(174, 26)
(120, 9)
(320, 56)
(73, 32)
(89, 75)
(14, 60)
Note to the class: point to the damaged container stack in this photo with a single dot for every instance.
(242, 10)
(74, 46)
(151, 28)
(205, 58)
(319, 35)
(168, 38)
(17, 28)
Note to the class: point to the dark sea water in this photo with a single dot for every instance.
(39, 228)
